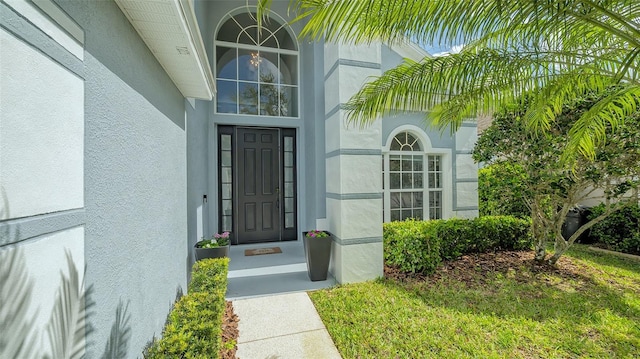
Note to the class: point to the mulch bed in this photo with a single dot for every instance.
(468, 268)
(229, 332)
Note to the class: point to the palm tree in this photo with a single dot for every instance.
(553, 50)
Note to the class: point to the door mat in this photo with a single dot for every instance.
(261, 251)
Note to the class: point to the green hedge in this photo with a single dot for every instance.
(412, 246)
(620, 231)
(194, 326)
(420, 246)
(210, 275)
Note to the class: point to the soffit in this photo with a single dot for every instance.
(170, 30)
(410, 50)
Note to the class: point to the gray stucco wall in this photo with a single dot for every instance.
(135, 177)
(199, 158)
(315, 133)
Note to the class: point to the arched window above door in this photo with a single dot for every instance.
(256, 71)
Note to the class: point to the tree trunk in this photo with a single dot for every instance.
(560, 246)
(541, 252)
(554, 258)
(539, 236)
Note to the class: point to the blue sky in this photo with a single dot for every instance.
(435, 49)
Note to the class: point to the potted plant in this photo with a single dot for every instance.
(317, 251)
(215, 247)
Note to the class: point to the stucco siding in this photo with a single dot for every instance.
(41, 171)
(199, 158)
(41, 132)
(135, 177)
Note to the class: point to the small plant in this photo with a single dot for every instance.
(217, 240)
(315, 233)
(194, 326)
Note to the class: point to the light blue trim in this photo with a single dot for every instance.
(334, 110)
(354, 152)
(351, 196)
(466, 209)
(353, 63)
(60, 18)
(469, 124)
(331, 70)
(364, 64)
(466, 180)
(20, 229)
(352, 241)
(464, 152)
(23, 29)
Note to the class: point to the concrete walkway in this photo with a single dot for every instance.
(282, 326)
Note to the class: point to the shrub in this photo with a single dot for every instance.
(411, 246)
(501, 190)
(620, 231)
(209, 275)
(483, 234)
(194, 326)
(420, 246)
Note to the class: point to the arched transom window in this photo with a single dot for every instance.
(412, 180)
(256, 71)
(405, 142)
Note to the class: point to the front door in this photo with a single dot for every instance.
(257, 184)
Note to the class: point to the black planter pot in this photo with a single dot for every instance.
(317, 251)
(216, 252)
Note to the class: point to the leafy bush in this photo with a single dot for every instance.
(210, 275)
(483, 234)
(502, 189)
(194, 326)
(620, 231)
(420, 246)
(412, 246)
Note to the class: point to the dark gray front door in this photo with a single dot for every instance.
(258, 210)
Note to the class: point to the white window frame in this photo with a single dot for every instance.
(426, 150)
(235, 45)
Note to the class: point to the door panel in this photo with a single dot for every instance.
(258, 192)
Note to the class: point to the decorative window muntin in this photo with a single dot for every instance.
(434, 174)
(256, 71)
(226, 182)
(289, 178)
(408, 194)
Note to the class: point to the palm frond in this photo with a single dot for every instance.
(118, 343)
(484, 80)
(554, 49)
(548, 101)
(605, 116)
(17, 339)
(68, 326)
(451, 21)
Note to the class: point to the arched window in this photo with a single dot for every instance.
(413, 182)
(256, 71)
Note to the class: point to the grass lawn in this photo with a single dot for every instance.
(587, 308)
